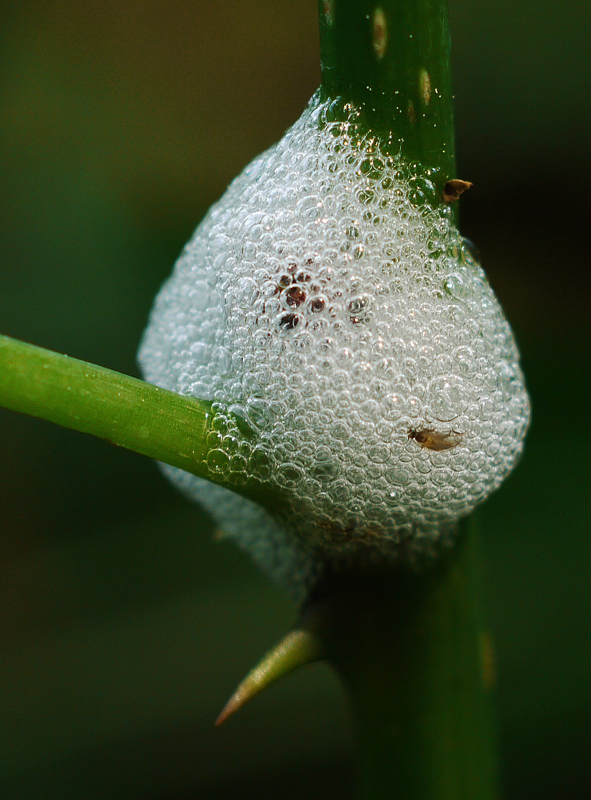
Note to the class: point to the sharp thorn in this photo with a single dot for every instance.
(298, 648)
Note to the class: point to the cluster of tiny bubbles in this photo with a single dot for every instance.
(329, 302)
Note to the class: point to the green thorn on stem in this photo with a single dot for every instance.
(296, 649)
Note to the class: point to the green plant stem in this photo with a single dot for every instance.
(408, 647)
(416, 664)
(391, 60)
(123, 410)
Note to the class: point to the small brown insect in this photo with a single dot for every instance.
(433, 440)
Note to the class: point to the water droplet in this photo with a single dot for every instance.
(294, 296)
(218, 461)
(309, 208)
(366, 196)
(325, 471)
(394, 406)
(448, 396)
(263, 339)
(288, 322)
(317, 305)
(454, 286)
(370, 410)
(399, 476)
(360, 309)
(379, 454)
(414, 406)
(238, 463)
(259, 413)
(292, 474)
(249, 250)
(213, 440)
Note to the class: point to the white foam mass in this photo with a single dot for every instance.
(330, 302)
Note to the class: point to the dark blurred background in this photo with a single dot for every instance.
(124, 626)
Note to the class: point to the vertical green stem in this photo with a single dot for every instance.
(409, 647)
(416, 664)
(391, 60)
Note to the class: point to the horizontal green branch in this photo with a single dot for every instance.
(123, 410)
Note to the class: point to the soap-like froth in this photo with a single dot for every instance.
(330, 302)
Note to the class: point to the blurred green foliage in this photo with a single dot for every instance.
(124, 626)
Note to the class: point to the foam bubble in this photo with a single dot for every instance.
(329, 301)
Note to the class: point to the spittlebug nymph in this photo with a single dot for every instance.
(434, 440)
